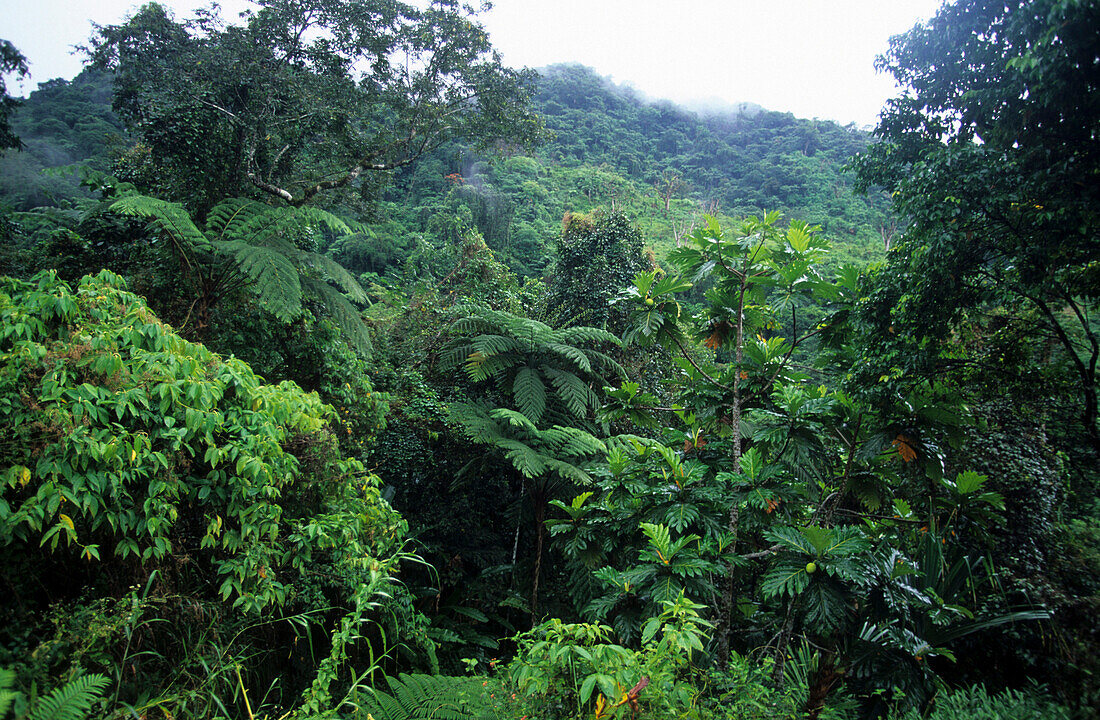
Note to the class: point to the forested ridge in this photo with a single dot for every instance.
(346, 372)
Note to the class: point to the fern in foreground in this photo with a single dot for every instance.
(72, 701)
(428, 697)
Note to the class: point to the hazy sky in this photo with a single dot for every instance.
(810, 57)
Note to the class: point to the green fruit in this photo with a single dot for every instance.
(811, 568)
(649, 301)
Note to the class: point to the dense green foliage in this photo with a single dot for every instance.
(319, 400)
(60, 124)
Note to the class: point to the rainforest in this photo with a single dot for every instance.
(348, 372)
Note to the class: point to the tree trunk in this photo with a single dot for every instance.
(725, 610)
(540, 517)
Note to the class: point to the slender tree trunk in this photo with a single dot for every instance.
(540, 517)
(725, 610)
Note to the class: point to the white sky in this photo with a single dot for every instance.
(814, 58)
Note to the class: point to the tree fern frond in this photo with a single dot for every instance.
(482, 367)
(471, 325)
(169, 218)
(584, 333)
(318, 217)
(452, 355)
(275, 280)
(523, 457)
(514, 419)
(567, 470)
(272, 227)
(530, 393)
(573, 442)
(608, 362)
(71, 701)
(571, 389)
(229, 213)
(337, 274)
(497, 344)
(572, 353)
(344, 314)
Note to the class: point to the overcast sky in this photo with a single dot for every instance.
(814, 58)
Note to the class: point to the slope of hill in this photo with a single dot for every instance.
(662, 165)
(61, 123)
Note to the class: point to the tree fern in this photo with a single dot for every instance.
(71, 701)
(342, 312)
(530, 393)
(169, 218)
(263, 242)
(276, 280)
(428, 697)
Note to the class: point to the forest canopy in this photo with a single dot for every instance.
(346, 372)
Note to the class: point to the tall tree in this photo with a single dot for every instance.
(11, 61)
(992, 154)
(308, 96)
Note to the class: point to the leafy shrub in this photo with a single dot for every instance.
(123, 435)
(128, 453)
(566, 670)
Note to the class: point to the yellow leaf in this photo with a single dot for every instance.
(25, 476)
(133, 455)
(601, 706)
(66, 521)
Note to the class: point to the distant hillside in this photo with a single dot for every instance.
(61, 123)
(663, 165)
(745, 162)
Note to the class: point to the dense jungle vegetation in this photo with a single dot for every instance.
(346, 372)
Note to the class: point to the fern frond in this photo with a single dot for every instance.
(584, 333)
(318, 217)
(428, 697)
(606, 361)
(454, 353)
(274, 278)
(344, 314)
(337, 274)
(572, 390)
(230, 213)
(523, 457)
(530, 393)
(71, 701)
(7, 694)
(482, 367)
(573, 442)
(471, 325)
(169, 218)
(568, 470)
(513, 418)
(568, 351)
(497, 344)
